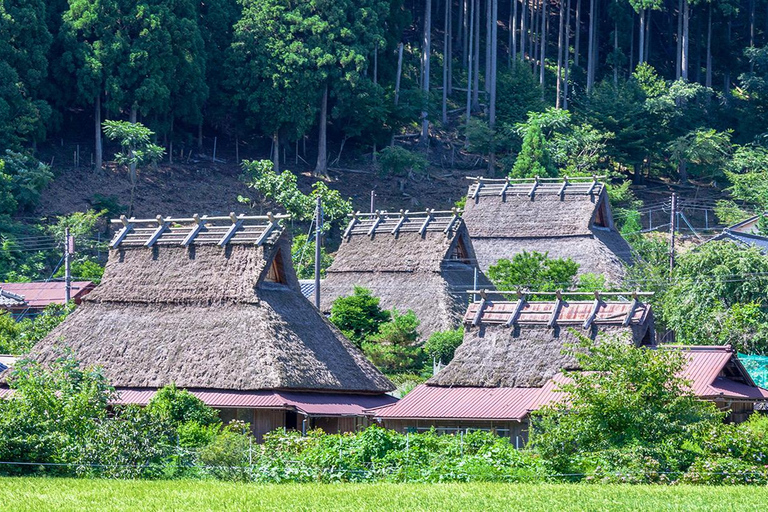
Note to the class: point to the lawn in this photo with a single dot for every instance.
(60, 494)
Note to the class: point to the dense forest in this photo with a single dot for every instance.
(642, 78)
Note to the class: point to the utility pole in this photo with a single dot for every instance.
(318, 230)
(672, 228)
(68, 250)
(373, 201)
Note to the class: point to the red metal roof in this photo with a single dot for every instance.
(433, 402)
(312, 404)
(570, 312)
(40, 295)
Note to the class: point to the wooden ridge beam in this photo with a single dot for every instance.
(423, 228)
(236, 223)
(452, 221)
(555, 311)
(481, 306)
(561, 192)
(533, 188)
(504, 188)
(375, 224)
(631, 312)
(127, 226)
(351, 225)
(400, 221)
(162, 225)
(270, 227)
(593, 313)
(518, 309)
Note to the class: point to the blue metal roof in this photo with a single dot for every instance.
(761, 242)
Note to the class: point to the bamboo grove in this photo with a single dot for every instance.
(281, 73)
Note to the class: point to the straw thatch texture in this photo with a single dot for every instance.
(604, 252)
(206, 317)
(521, 356)
(281, 343)
(564, 226)
(408, 271)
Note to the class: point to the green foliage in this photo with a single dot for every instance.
(395, 348)
(19, 337)
(442, 344)
(303, 255)
(625, 397)
(398, 161)
(282, 188)
(747, 173)
(535, 271)
(534, 158)
(358, 316)
(178, 406)
(227, 454)
(52, 411)
(135, 140)
(717, 297)
(26, 176)
(24, 45)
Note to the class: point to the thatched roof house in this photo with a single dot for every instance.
(213, 303)
(511, 363)
(568, 218)
(423, 261)
(511, 350)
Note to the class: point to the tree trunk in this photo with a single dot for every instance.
(449, 6)
(97, 132)
(560, 37)
(446, 41)
(399, 74)
(631, 44)
(466, 25)
(476, 59)
(425, 53)
(567, 53)
(512, 32)
(591, 47)
(535, 35)
(708, 79)
(543, 50)
(200, 136)
(679, 53)
(727, 74)
(321, 169)
(376, 63)
(647, 50)
(276, 151)
(615, 53)
(682, 169)
(494, 64)
(578, 34)
(488, 49)
(641, 38)
(470, 61)
(685, 56)
(523, 28)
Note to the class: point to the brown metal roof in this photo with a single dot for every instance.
(40, 295)
(311, 404)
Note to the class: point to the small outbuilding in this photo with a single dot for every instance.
(564, 217)
(745, 234)
(422, 261)
(30, 299)
(213, 305)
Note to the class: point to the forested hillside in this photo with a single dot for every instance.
(407, 97)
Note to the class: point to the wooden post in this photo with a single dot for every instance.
(672, 227)
(318, 229)
(67, 266)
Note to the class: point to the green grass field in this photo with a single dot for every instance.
(59, 494)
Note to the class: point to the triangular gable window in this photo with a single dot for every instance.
(276, 272)
(601, 216)
(459, 252)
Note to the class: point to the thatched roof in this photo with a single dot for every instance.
(564, 218)
(419, 261)
(520, 343)
(210, 315)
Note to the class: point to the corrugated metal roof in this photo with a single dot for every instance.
(433, 402)
(308, 288)
(748, 239)
(704, 365)
(40, 295)
(312, 404)
(570, 312)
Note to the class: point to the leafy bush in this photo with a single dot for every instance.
(178, 406)
(398, 161)
(228, 455)
(303, 255)
(19, 337)
(725, 471)
(533, 270)
(442, 344)
(358, 316)
(24, 178)
(395, 348)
